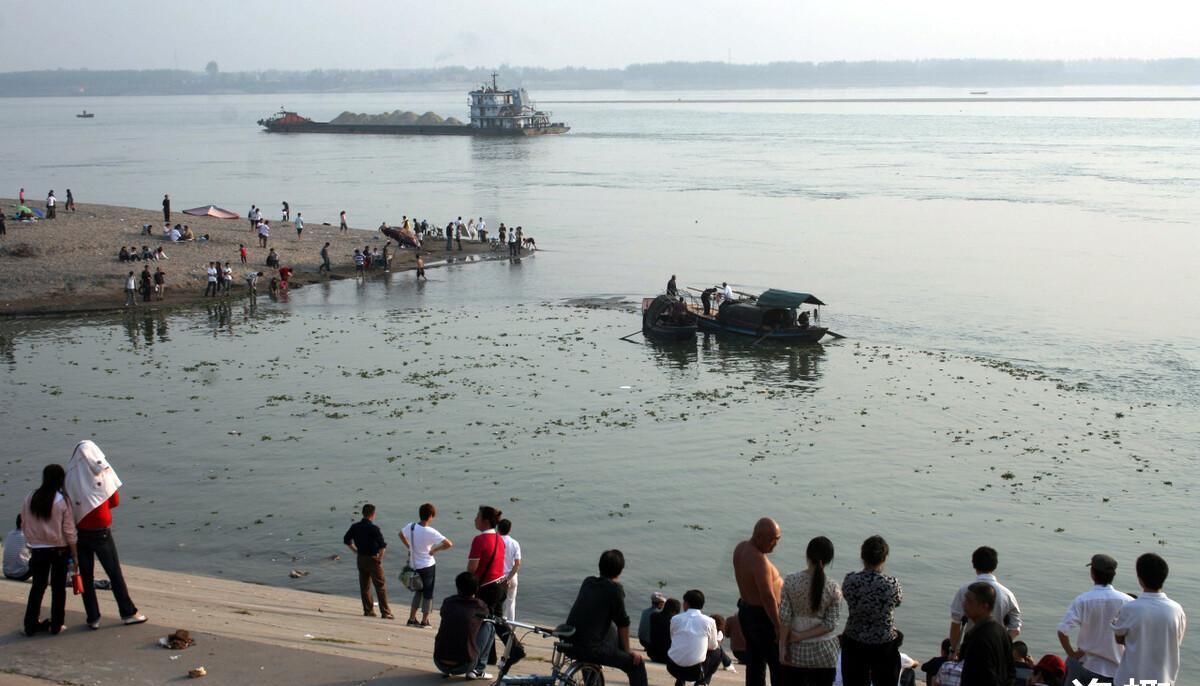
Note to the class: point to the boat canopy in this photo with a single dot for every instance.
(773, 297)
(750, 316)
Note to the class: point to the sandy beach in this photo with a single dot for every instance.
(69, 264)
(245, 633)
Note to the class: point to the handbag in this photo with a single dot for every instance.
(408, 576)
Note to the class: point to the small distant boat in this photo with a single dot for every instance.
(979, 92)
(775, 315)
(85, 115)
(668, 318)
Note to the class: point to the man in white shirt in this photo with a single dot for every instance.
(17, 554)
(1151, 628)
(481, 229)
(695, 651)
(512, 562)
(211, 286)
(1005, 610)
(1096, 654)
(726, 292)
(130, 289)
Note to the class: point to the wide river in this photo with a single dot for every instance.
(1017, 282)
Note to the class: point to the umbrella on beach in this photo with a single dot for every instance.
(212, 211)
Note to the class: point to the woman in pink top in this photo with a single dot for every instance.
(50, 532)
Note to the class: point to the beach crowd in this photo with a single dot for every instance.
(787, 628)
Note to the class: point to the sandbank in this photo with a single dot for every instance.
(69, 264)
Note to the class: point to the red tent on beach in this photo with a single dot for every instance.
(212, 211)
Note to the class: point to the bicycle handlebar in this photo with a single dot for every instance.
(561, 631)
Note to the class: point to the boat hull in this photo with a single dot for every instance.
(670, 333)
(809, 335)
(411, 130)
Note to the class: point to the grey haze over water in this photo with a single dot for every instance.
(1012, 277)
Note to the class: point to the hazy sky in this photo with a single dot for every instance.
(308, 34)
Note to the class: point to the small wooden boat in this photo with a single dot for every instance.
(85, 115)
(668, 318)
(775, 315)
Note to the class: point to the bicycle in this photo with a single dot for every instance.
(564, 670)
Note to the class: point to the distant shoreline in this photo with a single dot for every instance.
(977, 99)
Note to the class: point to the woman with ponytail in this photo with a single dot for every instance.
(50, 532)
(809, 607)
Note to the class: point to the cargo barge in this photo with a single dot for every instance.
(494, 112)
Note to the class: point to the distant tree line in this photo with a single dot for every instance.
(666, 75)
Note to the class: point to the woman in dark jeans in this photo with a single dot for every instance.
(423, 541)
(870, 642)
(49, 528)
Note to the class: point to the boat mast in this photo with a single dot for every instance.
(494, 86)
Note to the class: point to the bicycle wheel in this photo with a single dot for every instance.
(583, 674)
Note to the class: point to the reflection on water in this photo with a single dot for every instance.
(769, 363)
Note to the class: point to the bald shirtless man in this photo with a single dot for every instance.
(759, 586)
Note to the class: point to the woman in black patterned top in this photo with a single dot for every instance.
(808, 611)
(870, 642)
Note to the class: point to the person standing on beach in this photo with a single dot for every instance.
(421, 268)
(51, 203)
(343, 227)
(3, 226)
(360, 262)
(808, 615)
(449, 236)
(70, 207)
(1005, 608)
(264, 233)
(299, 222)
(1151, 628)
(166, 204)
(160, 282)
(211, 285)
(987, 650)
(870, 642)
(366, 541)
(759, 586)
(252, 215)
(423, 542)
(287, 212)
(599, 615)
(512, 563)
(242, 252)
(325, 264)
(21, 197)
(226, 278)
(486, 559)
(1097, 653)
(481, 230)
(130, 288)
(50, 531)
(147, 285)
(93, 489)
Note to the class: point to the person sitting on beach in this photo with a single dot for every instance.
(695, 650)
(123, 256)
(1050, 671)
(175, 235)
(159, 253)
(463, 638)
(187, 234)
(660, 630)
(598, 609)
(273, 259)
(147, 254)
(657, 601)
(17, 554)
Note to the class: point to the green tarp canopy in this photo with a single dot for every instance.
(773, 297)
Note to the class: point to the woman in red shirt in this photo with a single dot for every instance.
(92, 487)
(486, 562)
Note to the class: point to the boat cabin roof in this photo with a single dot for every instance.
(773, 297)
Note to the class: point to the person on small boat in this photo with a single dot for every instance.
(726, 292)
(802, 320)
(671, 289)
(706, 299)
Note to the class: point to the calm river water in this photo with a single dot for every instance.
(1017, 282)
